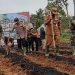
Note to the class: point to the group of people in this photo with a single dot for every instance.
(29, 39)
(27, 36)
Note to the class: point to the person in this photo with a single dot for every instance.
(21, 35)
(34, 39)
(29, 28)
(42, 37)
(52, 23)
(1, 32)
(9, 45)
(29, 39)
(72, 28)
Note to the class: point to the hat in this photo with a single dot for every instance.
(54, 10)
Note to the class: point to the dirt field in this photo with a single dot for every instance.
(35, 63)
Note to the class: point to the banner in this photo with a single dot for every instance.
(7, 21)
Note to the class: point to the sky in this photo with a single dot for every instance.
(13, 6)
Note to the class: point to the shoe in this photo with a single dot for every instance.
(73, 53)
(24, 54)
(57, 54)
(47, 55)
(7, 52)
(25, 51)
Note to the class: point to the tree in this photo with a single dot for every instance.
(38, 18)
(33, 19)
(60, 3)
(59, 7)
(65, 18)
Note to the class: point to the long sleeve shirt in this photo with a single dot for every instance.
(20, 31)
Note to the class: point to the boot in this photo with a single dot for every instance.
(47, 51)
(73, 50)
(7, 52)
(24, 51)
(27, 49)
(57, 53)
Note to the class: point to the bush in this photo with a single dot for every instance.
(65, 36)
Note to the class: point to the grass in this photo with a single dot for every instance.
(65, 36)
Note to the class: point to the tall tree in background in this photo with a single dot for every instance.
(65, 18)
(37, 19)
(60, 4)
(33, 19)
(40, 18)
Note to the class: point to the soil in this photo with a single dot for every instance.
(7, 68)
(35, 63)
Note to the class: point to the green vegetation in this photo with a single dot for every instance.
(38, 18)
(65, 36)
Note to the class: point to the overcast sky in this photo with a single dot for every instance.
(13, 6)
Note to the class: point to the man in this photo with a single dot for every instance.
(34, 35)
(73, 35)
(52, 30)
(21, 35)
(42, 37)
(29, 28)
(1, 32)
